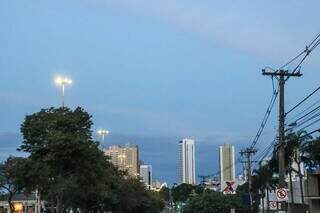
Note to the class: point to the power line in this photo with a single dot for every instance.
(305, 115)
(309, 48)
(310, 117)
(262, 155)
(314, 122)
(306, 98)
(300, 113)
(266, 116)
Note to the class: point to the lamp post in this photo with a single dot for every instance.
(103, 133)
(63, 82)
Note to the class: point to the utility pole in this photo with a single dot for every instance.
(247, 153)
(282, 76)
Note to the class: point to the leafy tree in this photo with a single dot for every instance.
(311, 155)
(198, 189)
(11, 178)
(65, 163)
(213, 202)
(164, 193)
(66, 166)
(182, 192)
(134, 198)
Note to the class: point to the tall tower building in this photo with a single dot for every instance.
(227, 164)
(146, 174)
(187, 169)
(126, 158)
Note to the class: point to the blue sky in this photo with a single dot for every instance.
(155, 67)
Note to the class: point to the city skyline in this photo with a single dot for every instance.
(159, 106)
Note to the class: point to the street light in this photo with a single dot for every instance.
(103, 133)
(63, 81)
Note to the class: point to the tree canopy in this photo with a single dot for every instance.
(69, 170)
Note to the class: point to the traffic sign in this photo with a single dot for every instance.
(282, 194)
(273, 205)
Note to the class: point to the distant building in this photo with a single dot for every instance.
(146, 174)
(227, 167)
(157, 185)
(187, 161)
(126, 158)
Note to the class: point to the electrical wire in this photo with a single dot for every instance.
(300, 113)
(265, 118)
(303, 100)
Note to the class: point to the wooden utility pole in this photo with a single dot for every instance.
(247, 153)
(282, 76)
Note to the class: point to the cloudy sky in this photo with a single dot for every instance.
(154, 68)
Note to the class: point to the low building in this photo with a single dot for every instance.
(21, 204)
(312, 192)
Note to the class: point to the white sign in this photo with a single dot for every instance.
(282, 194)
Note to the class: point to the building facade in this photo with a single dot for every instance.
(187, 169)
(146, 175)
(126, 158)
(227, 166)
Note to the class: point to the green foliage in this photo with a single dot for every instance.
(213, 202)
(70, 171)
(164, 193)
(12, 177)
(312, 150)
(182, 192)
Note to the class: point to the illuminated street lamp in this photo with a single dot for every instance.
(103, 133)
(63, 81)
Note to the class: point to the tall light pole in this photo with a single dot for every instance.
(63, 82)
(103, 133)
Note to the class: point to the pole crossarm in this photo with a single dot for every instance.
(281, 73)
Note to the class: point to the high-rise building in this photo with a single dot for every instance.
(146, 174)
(227, 165)
(187, 169)
(126, 158)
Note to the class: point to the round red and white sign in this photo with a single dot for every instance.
(282, 194)
(273, 205)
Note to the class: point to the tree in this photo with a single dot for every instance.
(293, 152)
(133, 197)
(182, 192)
(213, 202)
(65, 163)
(164, 193)
(69, 170)
(11, 178)
(311, 155)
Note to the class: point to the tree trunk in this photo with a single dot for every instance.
(59, 204)
(263, 195)
(301, 185)
(10, 202)
(268, 207)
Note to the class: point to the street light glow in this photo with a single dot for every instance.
(103, 132)
(63, 80)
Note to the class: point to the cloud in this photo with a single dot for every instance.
(241, 26)
(152, 121)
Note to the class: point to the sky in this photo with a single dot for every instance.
(155, 68)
